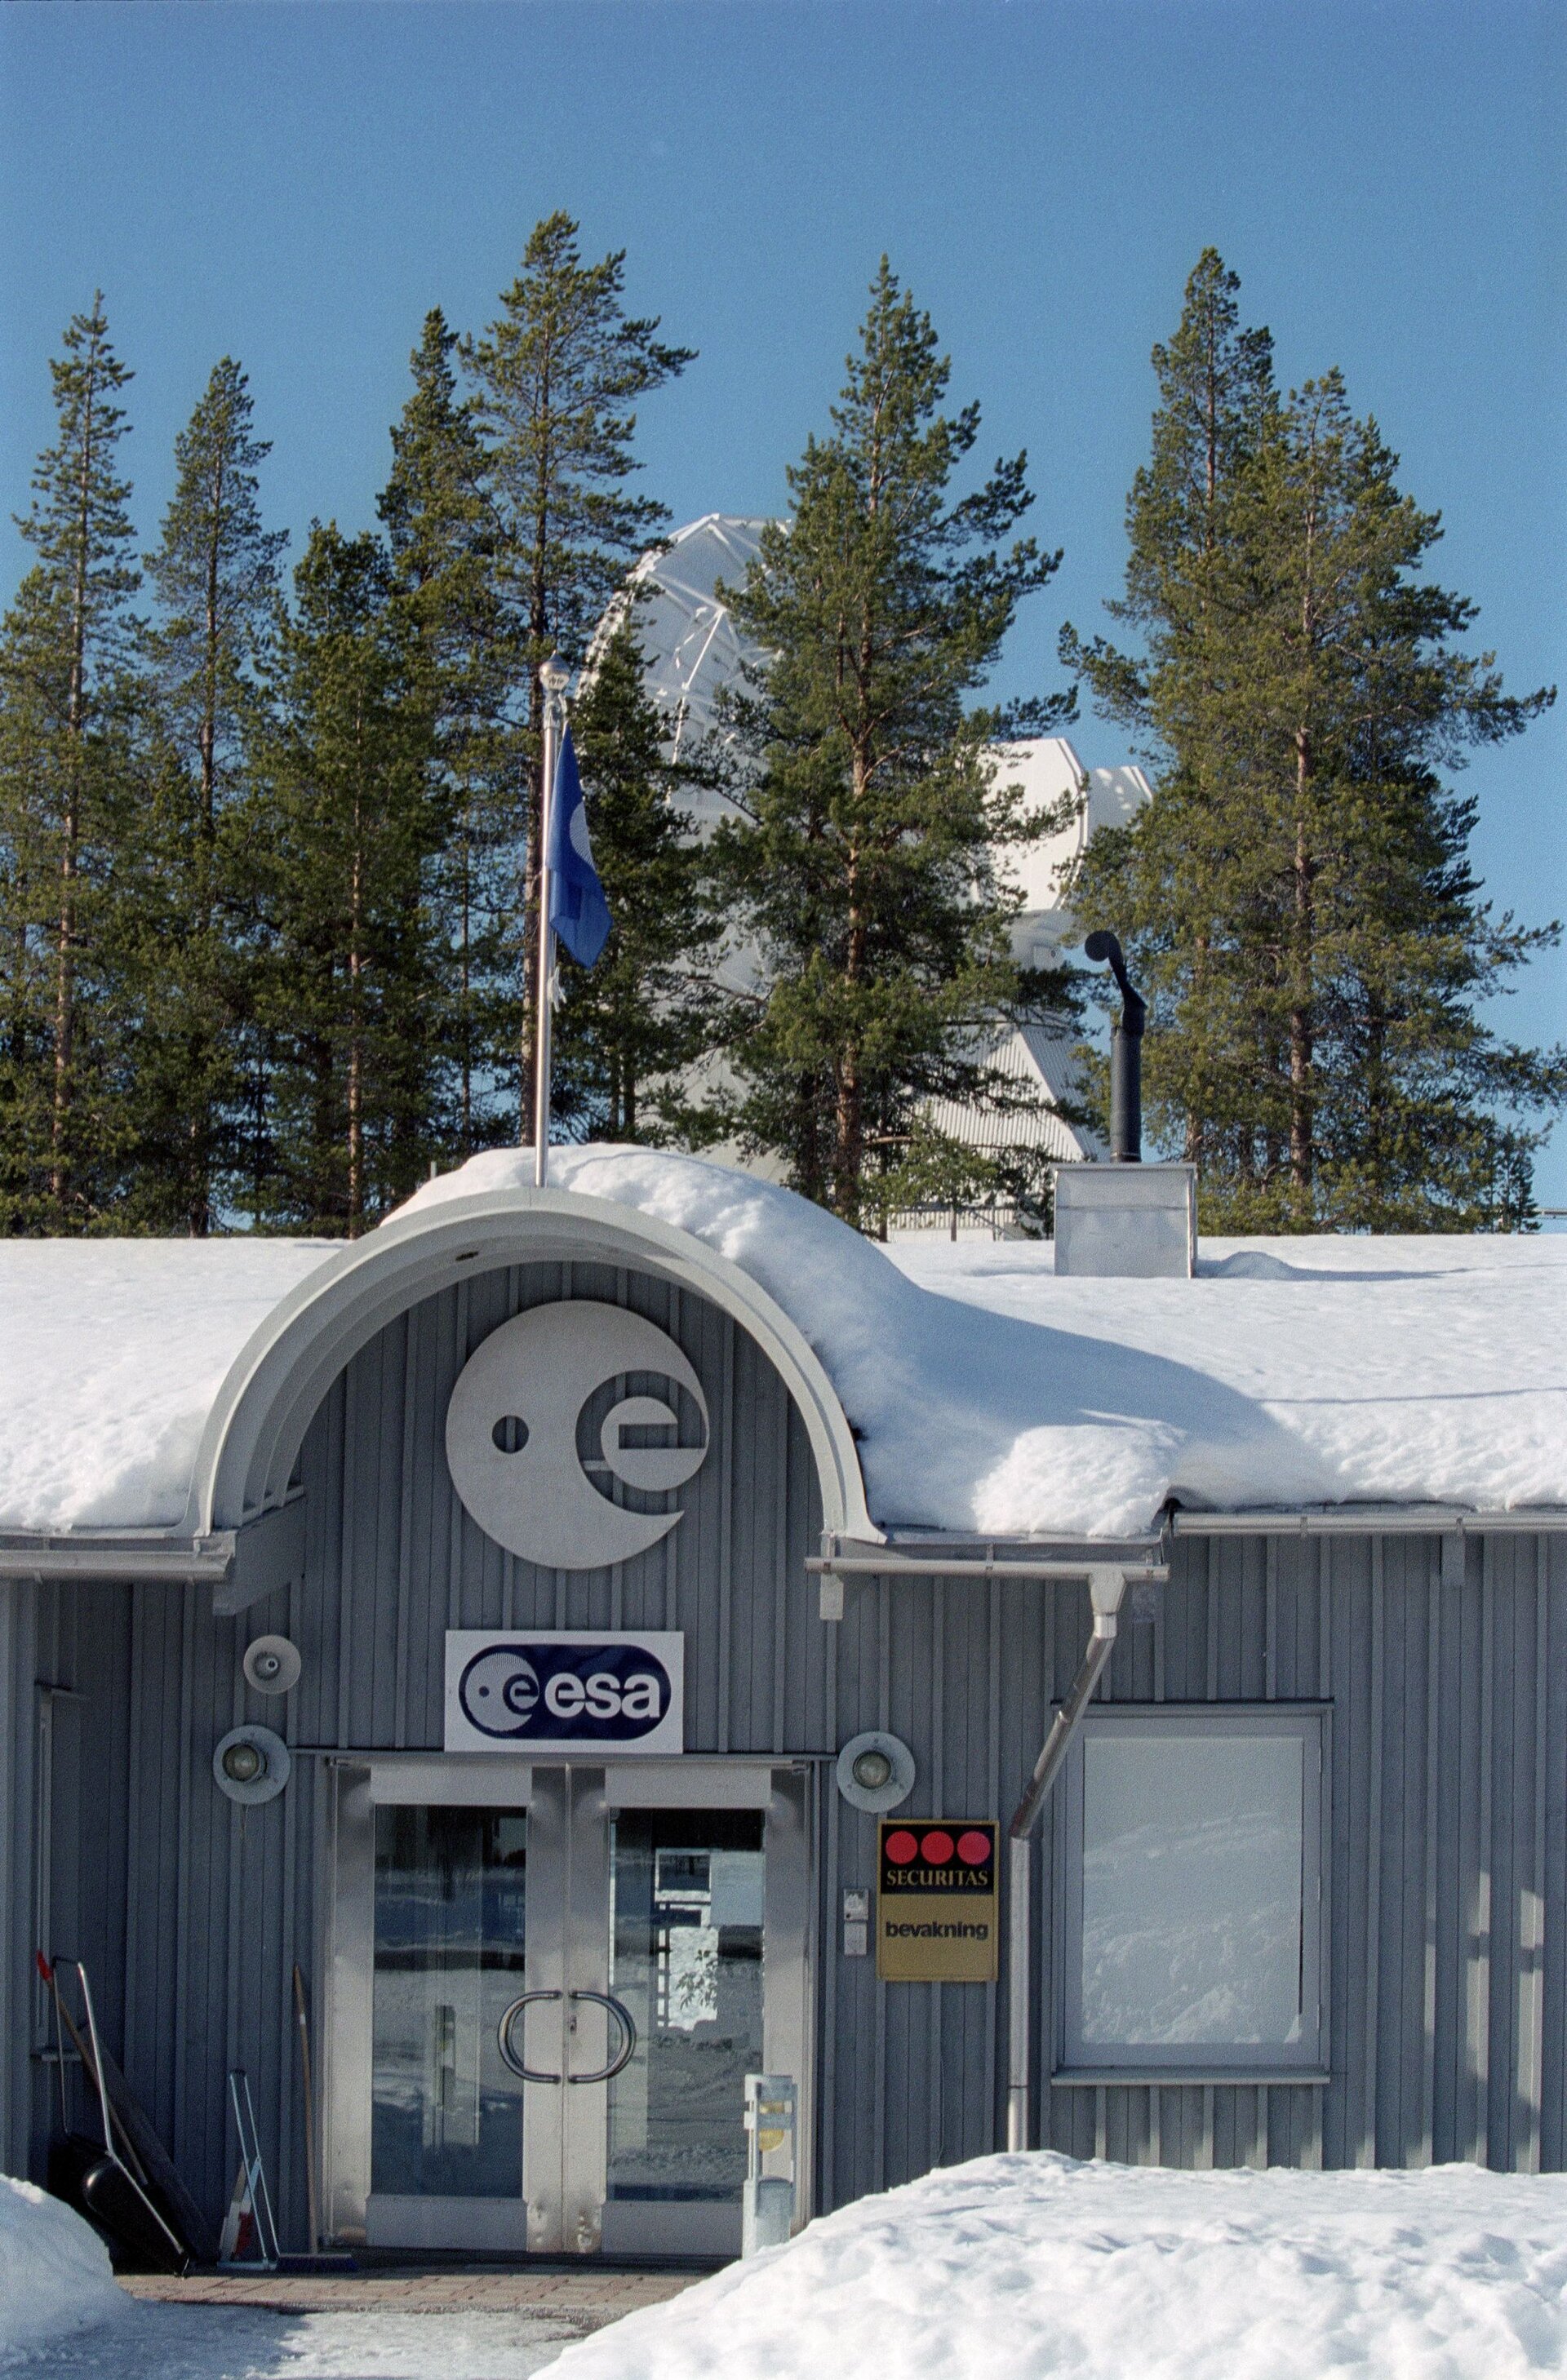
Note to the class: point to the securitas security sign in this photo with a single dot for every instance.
(936, 1910)
(564, 1691)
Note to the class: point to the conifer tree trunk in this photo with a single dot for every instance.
(350, 977)
(356, 1006)
(76, 722)
(849, 1152)
(209, 725)
(200, 1215)
(464, 983)
(1192, 1145)
(215, 573)
(1302, 1039)
(455, 603)
(65, 642)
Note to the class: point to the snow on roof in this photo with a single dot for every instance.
(1301, 1372)
(1013, 2268)
(111, 1354)
(988, 1397)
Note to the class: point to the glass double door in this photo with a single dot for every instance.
(566, 1993)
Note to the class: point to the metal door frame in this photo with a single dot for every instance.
(565, 2146)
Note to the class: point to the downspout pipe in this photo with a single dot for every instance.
(1106, 1589)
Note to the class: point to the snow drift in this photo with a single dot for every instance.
(1021, 2267)
(55, 2274)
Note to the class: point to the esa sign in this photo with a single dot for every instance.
(541, 1480)
(561, 1691)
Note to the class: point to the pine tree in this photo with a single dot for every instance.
(1216, 398)
(441, 533)
(630, 1028)
(215, 573)
(343, 837)
(1297, 896)
(557, 379)
(869, 870)
(67, 807)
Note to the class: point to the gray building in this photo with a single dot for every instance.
(585, 1518)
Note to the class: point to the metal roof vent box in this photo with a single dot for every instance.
(1125, 1219)
(1139, 1221)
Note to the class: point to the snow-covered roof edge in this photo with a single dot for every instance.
(1343, 1384)
(277, 1383)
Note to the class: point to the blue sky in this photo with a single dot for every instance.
(295, 184)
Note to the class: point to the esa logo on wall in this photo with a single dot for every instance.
(564, 1691)
(564, 1487)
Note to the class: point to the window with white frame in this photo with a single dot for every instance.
(1192, 1908)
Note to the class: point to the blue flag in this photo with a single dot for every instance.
(579, 912)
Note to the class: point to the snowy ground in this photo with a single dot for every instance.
(1010, 2268)
(63, 2316)
(1023, 2268)
(200, 2342)
(55, 2274)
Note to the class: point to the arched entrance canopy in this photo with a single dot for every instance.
(278, 1381)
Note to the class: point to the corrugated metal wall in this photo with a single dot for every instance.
(187, 1912)
(1448, 1875)
(1448, 1862)
(191, 1912)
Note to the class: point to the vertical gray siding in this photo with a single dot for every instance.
(1448, 1870)
(1448, 1853)
(189, 1911)
(17, 1804)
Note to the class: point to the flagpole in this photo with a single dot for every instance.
(553, 678)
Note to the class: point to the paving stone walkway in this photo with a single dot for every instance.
(396, 2323)
(585, 2300)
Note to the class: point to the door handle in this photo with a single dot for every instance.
(627, 2024)
(504, 2038)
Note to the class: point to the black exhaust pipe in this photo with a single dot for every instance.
(1125, 1056)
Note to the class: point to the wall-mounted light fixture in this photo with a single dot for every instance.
(875, 1771)
(251, 1765)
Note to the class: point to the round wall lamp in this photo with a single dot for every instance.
(875, 1771)
(273, 1665)
(251, 1765)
